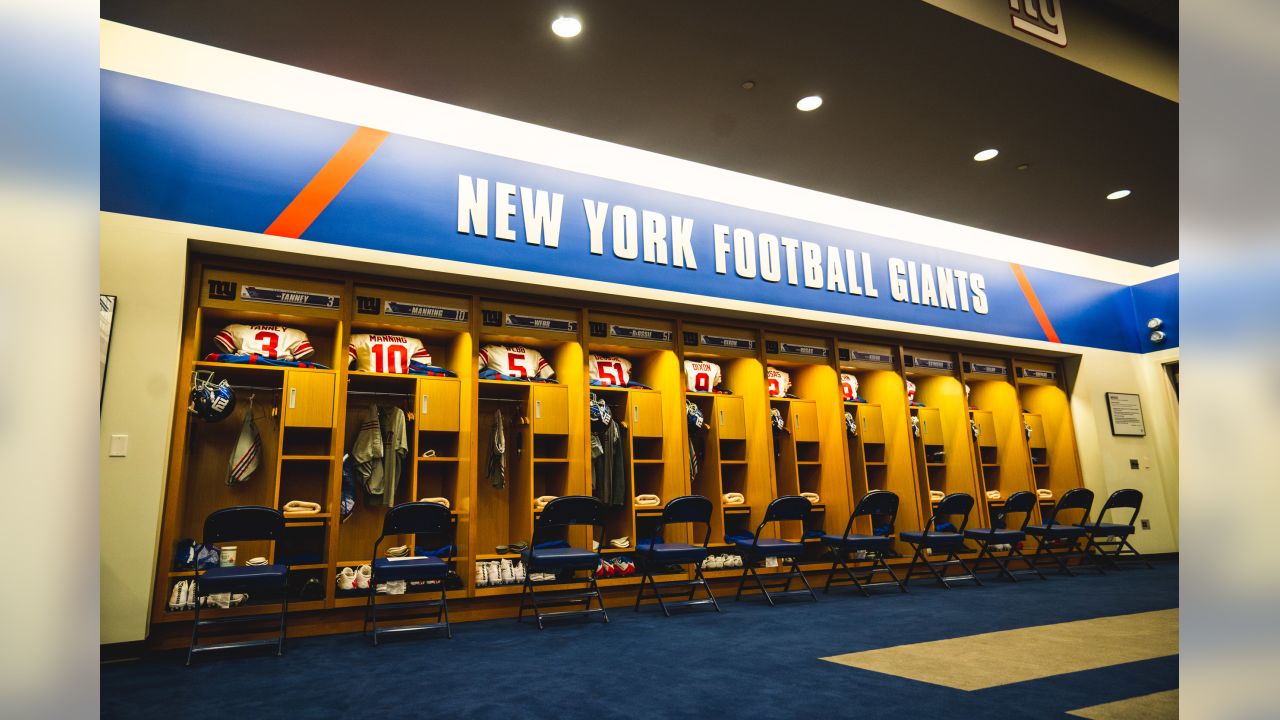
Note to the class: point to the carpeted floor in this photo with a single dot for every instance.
(748, 661)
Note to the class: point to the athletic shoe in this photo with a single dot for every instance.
(492, 574)
(363, 575)
(604, 570)
(482, 580)
(625, 566)
(517, 572)
(347, 578)
(504, 572)
(176, 595)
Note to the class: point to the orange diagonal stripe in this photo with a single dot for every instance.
(1034, 301)
(325, 186)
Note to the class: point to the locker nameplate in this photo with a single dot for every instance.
(532, 322)
(929, 363)
(429, 312)
(985, 369)
(872, 357)
(727, 342)
(1039, 374)
(299, 298)
(806, 350)
(639, 333)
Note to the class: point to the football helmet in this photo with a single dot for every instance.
(209, 400)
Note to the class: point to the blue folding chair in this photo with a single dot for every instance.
(241, 523)
(419, 519)
(1021, 502)
(757, 549)
(1103, 535)
(654, 553)
(1060, 541)
(949, 539)
(560, 515)
(882, 507)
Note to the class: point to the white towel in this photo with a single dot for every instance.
(993, 495)
(302, 507)
(1044, 493)
(542, 501)
(622, 542)
(936, 495)
(248, 450)
(812, 498)
(648, 500)
(734, 498)
(441, 500)
(398, 551)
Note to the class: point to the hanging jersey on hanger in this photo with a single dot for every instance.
(515, 361)
(386, 353)
(609, 370)
(701, 376)
(271, 341)
(779, 382)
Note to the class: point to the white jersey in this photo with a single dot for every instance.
(515, 360)
(779, 382)
(270, 341)
(700, 375)
(386, 353)
(848, 387)
(610, 369)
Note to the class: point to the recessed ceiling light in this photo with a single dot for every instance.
(986, 155)
(1118, 195)
(812, 102)
(566, 27)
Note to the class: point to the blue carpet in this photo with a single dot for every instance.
(749, 661)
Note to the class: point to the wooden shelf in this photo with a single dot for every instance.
(876, 462)
(439, 458)
(733, 462)
(647, 461)
(309, 566)
(245, 366)
(306, 458)
(496, 556)
(551, 460)
(395, 376)
(737, 509)
(810, 463)
(291, 518)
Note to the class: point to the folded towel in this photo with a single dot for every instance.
(648, 499)
(398, 551)
(811, 497)
(442, 500)
(256, 562)
(936, 495)
(993, 495)
(622, 542)
(542, 501)
(734, 498)
(302, 507)
(1045, 493)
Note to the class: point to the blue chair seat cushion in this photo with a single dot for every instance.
(768, 547)
(671, 553)
(243, 578)
(875, 543)
(569, 558)
(999, 536)
(933, 539)
(1109, 529)
(1057, 532)
(411, 568)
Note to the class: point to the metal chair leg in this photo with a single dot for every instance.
(284, 620)
(195, 624)
(444, 610)
(697, 569)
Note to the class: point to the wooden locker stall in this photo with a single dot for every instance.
(1048, 429)
(734, 454)
(646, 404)
(944, 436)
(1000, 448)
(881, 454)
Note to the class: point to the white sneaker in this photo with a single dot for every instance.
(175, 595)
(347, 578)
(363, 575)
(186, 601)
(495, 574)
(482, 580)
(504, 572)
(517, 572)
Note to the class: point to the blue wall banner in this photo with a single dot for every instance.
(179, 154)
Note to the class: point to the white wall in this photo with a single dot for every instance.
(145, 267)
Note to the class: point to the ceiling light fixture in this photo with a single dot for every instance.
(566, 27)
(986, 155)
(811, 102)
(1118, 195)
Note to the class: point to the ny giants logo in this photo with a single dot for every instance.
(1042, 18)
(367, 305)
(222, 290)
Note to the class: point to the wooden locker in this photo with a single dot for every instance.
(438, 403)
(550, 409)
(1037, 439)
(871, 424)
(308, 400)
(804, 421)
(646, 413)
(730, 418)
(986, 428)
(930, 426)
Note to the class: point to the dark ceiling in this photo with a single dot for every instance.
(911, 93)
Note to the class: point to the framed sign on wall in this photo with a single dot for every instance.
(1125, 410)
